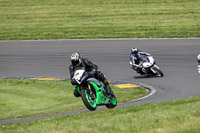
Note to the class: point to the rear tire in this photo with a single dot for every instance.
(112, 103)
(87, 100)
(159, 73)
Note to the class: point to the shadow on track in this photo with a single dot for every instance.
(145, 77)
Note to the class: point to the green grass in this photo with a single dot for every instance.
(178, 116)
(22, 98)
(69, 19)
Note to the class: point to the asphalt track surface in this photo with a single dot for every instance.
(177, 58)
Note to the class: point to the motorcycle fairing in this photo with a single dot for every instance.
(148, 62)
(100, 98)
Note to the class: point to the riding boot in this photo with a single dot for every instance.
(108, 89)
(101, 76)
(76, 93)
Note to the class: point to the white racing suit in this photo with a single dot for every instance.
(137, 59)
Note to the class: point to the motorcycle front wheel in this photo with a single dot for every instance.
(88, 101)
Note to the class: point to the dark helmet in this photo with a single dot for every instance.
(134, 50)
(76, 59)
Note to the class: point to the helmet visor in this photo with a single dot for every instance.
(75, 62)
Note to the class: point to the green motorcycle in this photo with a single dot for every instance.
(92, 91)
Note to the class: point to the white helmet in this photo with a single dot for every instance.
(76, 59)
(134, 50)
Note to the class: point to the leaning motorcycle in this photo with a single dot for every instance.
(92, 90)
(147, 67)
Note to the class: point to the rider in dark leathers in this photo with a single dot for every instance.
(77, 61)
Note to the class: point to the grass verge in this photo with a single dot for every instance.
(61, 19)
(23, 98)
(178, 116)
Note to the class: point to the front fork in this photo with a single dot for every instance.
(89, 90)
(92, 95)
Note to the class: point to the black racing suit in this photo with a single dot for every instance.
(89, 67)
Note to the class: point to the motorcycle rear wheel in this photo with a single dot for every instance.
(112, 103)
(159, 73)
(87, 100)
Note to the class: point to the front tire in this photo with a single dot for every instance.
(87, 100)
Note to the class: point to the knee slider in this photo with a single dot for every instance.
(76, 94)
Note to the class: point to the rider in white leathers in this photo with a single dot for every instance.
(137, 57)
